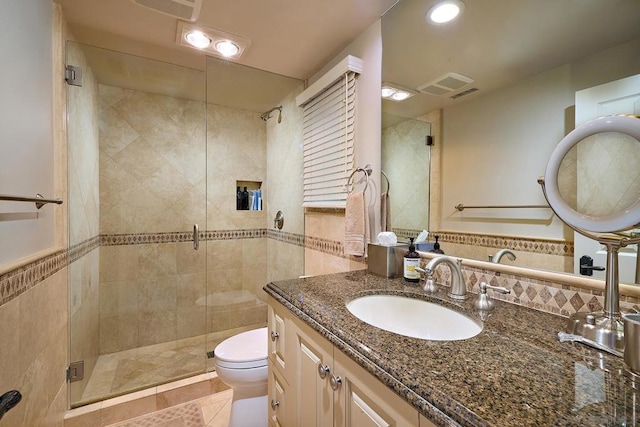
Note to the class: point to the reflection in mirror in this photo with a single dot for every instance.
(499, 130)
(600, 176)
(405, 160)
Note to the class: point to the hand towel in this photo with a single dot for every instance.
(385, 212)
(355, 225)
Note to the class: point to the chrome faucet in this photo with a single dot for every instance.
(458, 286)
(502, 252)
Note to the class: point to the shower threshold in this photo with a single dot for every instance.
(136, 369)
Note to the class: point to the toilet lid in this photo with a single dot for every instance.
(245, 350)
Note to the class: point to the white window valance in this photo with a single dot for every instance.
(328, 137)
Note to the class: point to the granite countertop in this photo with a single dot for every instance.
(514, 373)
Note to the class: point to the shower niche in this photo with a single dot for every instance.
(249, 196)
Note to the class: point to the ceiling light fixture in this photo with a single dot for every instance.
(396, 92)
(227, 48)
(445, 11)
(215, 42)
(197, 39)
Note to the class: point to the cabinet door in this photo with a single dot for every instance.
(314, 396)
(363, 401)
(281, 410)
(276, 320)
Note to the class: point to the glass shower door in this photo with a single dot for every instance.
(137, 185)
(248, 150)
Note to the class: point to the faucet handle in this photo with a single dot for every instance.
(429, 284)
(484, 302)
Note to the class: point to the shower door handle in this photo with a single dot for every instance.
(196, 237)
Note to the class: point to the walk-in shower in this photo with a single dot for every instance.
(155, 149)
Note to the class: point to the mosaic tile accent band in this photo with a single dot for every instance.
(20, 280)
(179, 236)
(286, 237)
(537, 294)
(541, 246)
(405, 233)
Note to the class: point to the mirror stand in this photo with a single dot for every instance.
(604, 330)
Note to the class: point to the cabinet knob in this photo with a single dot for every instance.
(323, 370)
(274, 336)
(274, 404)
(335, 382)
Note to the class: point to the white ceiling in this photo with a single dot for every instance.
(495, 42)
(289, 37)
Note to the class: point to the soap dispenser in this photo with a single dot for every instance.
(411, 261)
(436, 246)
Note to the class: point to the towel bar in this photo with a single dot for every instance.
(462, 207)
(39, 200)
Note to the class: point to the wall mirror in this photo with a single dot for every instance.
(503, 118)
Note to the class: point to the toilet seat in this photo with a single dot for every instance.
(243, 351)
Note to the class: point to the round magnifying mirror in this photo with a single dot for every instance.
(593, 177)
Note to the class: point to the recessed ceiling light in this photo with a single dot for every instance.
(211, 41)
(227, 48)
(400, 96)
(197, 39)
(387, 91)
(395, 92)
(445, 11)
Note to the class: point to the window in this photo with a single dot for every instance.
(328, 135)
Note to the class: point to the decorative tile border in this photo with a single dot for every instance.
(20, 280)
(405, 233)
(179, 236)
(541, 246)
(539, 295)
(286, 237)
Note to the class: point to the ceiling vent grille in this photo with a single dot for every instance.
(446, 84)
(465, 92)
(182, 9)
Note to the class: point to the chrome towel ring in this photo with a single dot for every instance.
(366, 170)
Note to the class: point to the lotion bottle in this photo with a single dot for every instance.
(411, 261)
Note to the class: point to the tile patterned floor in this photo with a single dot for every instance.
(140, 368)
(216, 410)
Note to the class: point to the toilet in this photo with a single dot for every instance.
(241, 363)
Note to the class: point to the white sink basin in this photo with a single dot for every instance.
(414, 317)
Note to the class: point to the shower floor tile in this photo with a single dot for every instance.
(136, 369)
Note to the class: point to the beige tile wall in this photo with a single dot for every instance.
(328, 225)
(405, 160)
(152, 162)
(153, 178)
(34, 352)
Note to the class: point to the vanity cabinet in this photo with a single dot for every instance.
(316, 384)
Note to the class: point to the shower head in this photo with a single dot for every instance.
(267, 114)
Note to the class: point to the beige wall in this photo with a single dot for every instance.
(34, 333)
(26, 166)
(368, 47)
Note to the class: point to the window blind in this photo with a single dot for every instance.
(328, 140)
